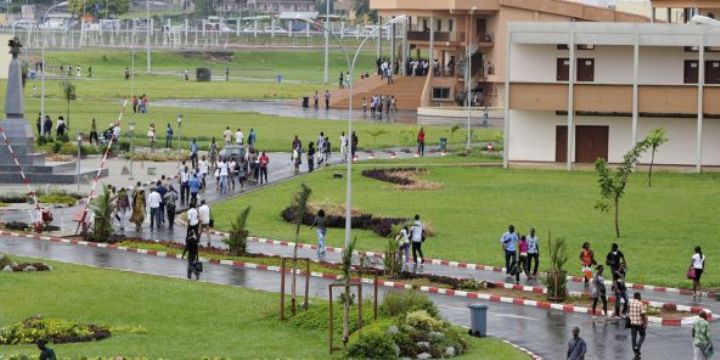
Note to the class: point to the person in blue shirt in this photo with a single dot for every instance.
(194, 153)
(194, 188)
(168, 136)
(533, 253)
(252, 137)
(509, 241)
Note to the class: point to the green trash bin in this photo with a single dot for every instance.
(443, 144)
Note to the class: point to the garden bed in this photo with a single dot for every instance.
(56, 331)
(403, 178)
(382, 226)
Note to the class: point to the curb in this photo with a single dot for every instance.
(385, 283)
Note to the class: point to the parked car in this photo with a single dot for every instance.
(24, 24)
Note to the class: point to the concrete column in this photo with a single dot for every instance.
(392, 49)
(571, 104)
(636, 60)
(431, 63)
(379, 37)
(700, 107)
(404, 55)
(506, 90)
(669, 14)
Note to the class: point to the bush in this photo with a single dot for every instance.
(372, 342)
(42, 140)
(123, 146)
(5, 260)
(56, 146)
(398, 303)
(62, 138)
(57, 331)
(422, 320)
(380, 225)
(51, 198)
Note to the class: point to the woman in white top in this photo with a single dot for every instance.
(698, 264)
(151, 136)
(403, 239)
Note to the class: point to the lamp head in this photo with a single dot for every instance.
(704, 20)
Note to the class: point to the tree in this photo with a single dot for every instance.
(376, 133)
(655, 139)
(362, 10)
(237, 239)
(612, 183)
(68, 90)
(105, 7)
(299, 209)
(102, 209)
(556, 280)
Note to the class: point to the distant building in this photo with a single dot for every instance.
(276, 6)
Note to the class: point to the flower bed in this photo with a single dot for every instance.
(8, 265)
(403, 178)
(57, 331)
(382, 226)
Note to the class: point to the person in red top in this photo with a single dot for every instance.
(264, 160)
(587, 259)
(421, 142)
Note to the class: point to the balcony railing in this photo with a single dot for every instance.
(440, 36)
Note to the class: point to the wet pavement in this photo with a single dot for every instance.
(543, 332)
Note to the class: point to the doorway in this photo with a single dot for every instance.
(591, 143)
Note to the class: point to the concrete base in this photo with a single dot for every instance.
(51, 173)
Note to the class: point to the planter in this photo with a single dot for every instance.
(556, 283)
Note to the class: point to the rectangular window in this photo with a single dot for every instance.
(578, 47)
(712, 72)
(441, 93)
(690, 75)
(438, 25)
(450, 25)
(563, 69)
(585, 69)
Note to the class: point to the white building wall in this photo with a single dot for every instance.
(532, 137)
(666, 65)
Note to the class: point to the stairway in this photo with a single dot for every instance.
(407, 92)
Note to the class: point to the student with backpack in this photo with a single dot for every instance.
(599, 292)
(697, 265)
(403, 241)
(620, 291)
(417, 235)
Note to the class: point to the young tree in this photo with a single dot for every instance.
(237, 239)
(612, 183)
(347, 258)
(376, 133)
(68, 90)
(655, 139)
(556, 280)
(299, 209)
(102, 209)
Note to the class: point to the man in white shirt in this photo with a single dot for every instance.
(227, 136)
(239, 137)
(204, 217)
(417, 231)
(343, 147)
(154, 201)
(193, 221)
(222, 166)
(203, 168)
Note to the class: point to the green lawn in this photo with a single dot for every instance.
(181, 319)
(660, 226)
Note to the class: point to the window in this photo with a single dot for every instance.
(441, 93)
(712, 72)
(563, 69)
(578, 47)
(438, 25)
(450, 25)
(690, 75)
(585, 69)
(425, 25)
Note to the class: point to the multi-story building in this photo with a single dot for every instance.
(579, 91)
(447, 30)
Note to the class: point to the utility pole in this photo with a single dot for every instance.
(327, 42)
(147, 40)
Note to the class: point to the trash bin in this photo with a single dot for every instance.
(306, 102)
(443, 144)
(478, 320)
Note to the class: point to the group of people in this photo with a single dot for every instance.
(522, 254)
(140, 103)
(378, 104)
(68, 69)
(45, 126)
(317, 152)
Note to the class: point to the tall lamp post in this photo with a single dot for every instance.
(179, 124)
(468, 78)
(44, 68)
(77, 164)
(132, 147)
(351, 66)
(147, 40)
(327, 43)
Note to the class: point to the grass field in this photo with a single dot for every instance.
(181, 319)
(660, 225)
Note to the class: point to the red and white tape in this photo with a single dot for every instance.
(385, 283)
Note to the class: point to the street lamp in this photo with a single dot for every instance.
(468, 71)
(147, 40)
(42, 80)
(704, 20)
(132, 143)
(77, 165)
(351, 66)
(179, 125)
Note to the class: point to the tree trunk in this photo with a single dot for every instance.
(652, 161)
(293, 295)
(346, 312)
(617, 217)
(68, 115)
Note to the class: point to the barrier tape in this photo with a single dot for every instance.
(26, 181)
(99, 171)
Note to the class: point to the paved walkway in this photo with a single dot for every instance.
(541, 331)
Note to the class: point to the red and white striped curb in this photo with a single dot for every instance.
(385, 283)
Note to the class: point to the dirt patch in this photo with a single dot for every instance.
(403, 178)
(212, 56)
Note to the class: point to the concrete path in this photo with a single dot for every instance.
(543, 332)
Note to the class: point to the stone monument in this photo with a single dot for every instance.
(20, 136)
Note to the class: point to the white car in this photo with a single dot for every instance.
(23, 24)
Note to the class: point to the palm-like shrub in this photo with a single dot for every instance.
(102, 208)
(68, 90)
(237, 238)
(556, 280)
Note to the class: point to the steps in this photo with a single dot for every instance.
(407, 92)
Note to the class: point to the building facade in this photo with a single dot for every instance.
(458, 32)
(592, 90)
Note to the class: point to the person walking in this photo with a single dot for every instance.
(599, 292)
(213, 153)
(316, 99)
(223, 171)
(620, 290)
(702, 339)
(233, 172)
(47, 126)
(194, 188)
(697, 265)
(320, 225)
(421, 142)
(264, 161)
(252, 138)
(239, 137)
(191, 249)
(203, 169)
(151, 136)
(154, 204)
(638, 323)
(122, 206)
(311, 157)
(327, 100)
(194, 154)
(533, 254)
(193, 220)
(343, 146)
(184, 185)
(227, 135)
(46, 353)
(161, 189)
(168, 136)
(522, 260)
(170, 199)
(138, 214)
(615, 258)
(576, 346)
(341, 81)
(354, 141)
(93, 132)
(587, 260)
(297, 159)
(403, 240)
(417, 235)
(205, 221)
(508, 240)
(327, 148)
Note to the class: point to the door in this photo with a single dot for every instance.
(690, 72)
(591, 143)
(562, 70)
(712, 72)
(585, 69)
(480, 29)
(561, 144)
